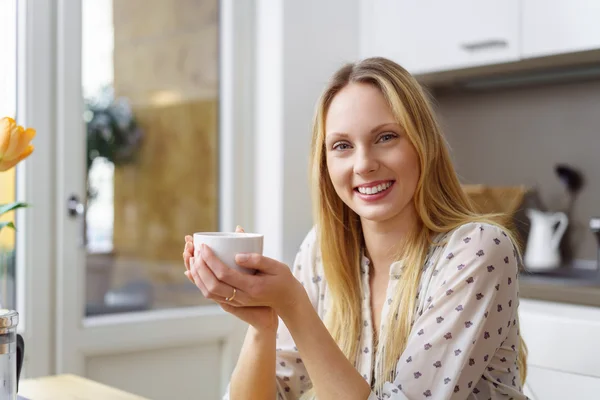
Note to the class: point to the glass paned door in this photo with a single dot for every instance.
(150, 87)
(136, 168)
(8, 108)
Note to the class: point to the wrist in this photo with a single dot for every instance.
(298, 300)
(262, 335)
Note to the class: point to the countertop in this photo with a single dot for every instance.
(568, 285)
(70, 387)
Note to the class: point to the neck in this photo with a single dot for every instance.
(383, 238)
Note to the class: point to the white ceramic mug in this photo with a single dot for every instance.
(226, 245)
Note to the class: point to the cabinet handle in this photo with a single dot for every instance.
(484, 44)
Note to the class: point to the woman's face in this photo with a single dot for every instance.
(372, 164)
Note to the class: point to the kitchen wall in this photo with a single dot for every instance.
(300, 44)
(516, 136)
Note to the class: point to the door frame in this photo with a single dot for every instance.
(57, 332)
(35, 244)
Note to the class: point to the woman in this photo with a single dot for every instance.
(401, 291)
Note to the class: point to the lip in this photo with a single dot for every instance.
(369, 198)
(374, 183)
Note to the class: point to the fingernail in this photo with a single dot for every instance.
(238, 228)
(242, 257)
(203, 249)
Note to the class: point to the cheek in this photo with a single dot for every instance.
(412, 172)
(407, 168)
(338, 173)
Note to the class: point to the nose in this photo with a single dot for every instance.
(365, 162)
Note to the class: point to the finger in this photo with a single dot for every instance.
(217, 290)
(228, 307)
(197, 281)
(257, 261)
(189, 238)
(239, 229)
(223, 273)
(231, 304)
(187, 260)
(189, 247)
(188, 251)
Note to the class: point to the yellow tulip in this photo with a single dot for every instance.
(14, 143)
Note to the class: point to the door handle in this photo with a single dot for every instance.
(75, 207)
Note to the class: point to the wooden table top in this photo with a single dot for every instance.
(70, 387)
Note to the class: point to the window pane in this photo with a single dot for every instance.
(151, 91)
(8, 104)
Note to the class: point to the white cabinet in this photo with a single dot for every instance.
(564, 358)
(559, 26)
(436, 35)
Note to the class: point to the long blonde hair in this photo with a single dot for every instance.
(439, 200)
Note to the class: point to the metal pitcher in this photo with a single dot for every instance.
(11, 354)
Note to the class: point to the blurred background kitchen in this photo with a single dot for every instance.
(157, 119)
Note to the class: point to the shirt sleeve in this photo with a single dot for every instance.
(468, 312)
(291, 376)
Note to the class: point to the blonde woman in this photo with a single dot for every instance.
(401, 291)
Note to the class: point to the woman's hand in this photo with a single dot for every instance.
(273, 285)
(261, 318)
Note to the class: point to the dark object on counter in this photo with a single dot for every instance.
(595, 227)
(572, 181)
(572, 178)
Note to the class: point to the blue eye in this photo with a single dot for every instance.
(387, 137)
(341, 146)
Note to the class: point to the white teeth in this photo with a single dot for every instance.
(375, 189)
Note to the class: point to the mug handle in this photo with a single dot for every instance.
(20, 355)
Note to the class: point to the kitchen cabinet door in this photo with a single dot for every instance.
(559, 26)
(436, 35)
(402, 31)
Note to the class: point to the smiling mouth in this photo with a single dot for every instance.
(372, 190)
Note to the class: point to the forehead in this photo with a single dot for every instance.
(357, 107)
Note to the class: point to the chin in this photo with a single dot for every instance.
(379, 214)
(383, 212)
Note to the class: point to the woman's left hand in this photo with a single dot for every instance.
(273, 285)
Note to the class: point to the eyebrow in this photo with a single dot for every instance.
(374, 130)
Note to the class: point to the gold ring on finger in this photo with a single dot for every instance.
(232, 296)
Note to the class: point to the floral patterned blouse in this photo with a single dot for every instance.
(465, 336)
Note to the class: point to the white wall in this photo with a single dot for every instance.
(300, 43)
